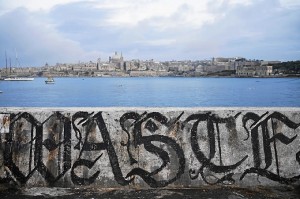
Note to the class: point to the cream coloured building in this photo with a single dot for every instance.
(251, 71)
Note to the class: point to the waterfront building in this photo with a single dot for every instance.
(252, 71)
(116, 66)
(245, 71)
(264, 70)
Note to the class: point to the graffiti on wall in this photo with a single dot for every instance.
(151, 146)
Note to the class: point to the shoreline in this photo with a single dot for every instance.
(170, 76)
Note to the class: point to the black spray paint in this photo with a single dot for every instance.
(141, 130)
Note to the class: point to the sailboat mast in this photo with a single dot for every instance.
(9, 66)
(5, 60)
(17, 60)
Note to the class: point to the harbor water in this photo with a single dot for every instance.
(152, 92)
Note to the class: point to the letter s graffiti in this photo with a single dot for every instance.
(149, 121)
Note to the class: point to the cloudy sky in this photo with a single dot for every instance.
(68, 31)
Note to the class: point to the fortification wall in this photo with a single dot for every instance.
(149, 147)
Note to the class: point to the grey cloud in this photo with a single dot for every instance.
(262, 30)
(78, 31)
(35, 41)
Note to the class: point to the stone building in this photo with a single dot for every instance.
(117, 60)
(264, 70)
(252, 71)
(245, 71)
(223, 63)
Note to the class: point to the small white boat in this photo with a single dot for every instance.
(19, 79)
(50, 80)
(1, 91)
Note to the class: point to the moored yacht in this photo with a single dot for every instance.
(19, 79)
(50, 80)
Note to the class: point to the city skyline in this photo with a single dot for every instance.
(70, 31)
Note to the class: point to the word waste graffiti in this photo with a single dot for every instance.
(149, 147)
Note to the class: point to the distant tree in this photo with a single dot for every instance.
(290, 67)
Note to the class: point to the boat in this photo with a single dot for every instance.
(19, 79)
(11, 77)
(50, 80)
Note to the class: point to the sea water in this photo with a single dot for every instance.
(152, 92)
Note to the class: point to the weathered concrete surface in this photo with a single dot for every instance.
(212, 192)
(149, 147)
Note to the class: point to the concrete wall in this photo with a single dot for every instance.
(149, 147)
